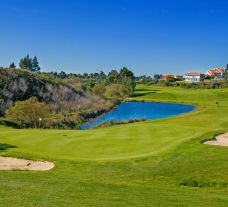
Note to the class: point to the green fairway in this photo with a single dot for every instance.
(152, 163)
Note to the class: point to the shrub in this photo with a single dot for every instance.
(29, 113)
(98, 89)
(116, 91)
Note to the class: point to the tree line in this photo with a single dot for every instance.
(27, 63)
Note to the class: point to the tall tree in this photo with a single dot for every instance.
(127, 78)
(35, 65)
(26, 63)
(157, 76)
(102, 76)
(124, 72)
(113, 76)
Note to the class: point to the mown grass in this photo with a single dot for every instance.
(152, 163)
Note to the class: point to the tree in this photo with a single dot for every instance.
(28, 63)
(129, 84)
(113, 76)
(127, 78)
(35, 65)
(85, 75)
(157, 76)
(102, 76)
(12, 65)
(62, 75)
(124, 72)
(28, 113)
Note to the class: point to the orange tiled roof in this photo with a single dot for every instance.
(215, 71)
(193, 73)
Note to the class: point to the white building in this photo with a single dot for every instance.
(194, 77)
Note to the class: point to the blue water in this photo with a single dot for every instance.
(140, 110)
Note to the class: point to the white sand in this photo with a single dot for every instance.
(221, 140)
(8, 163)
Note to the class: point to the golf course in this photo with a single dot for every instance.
(152, 163)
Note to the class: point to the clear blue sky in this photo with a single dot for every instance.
(147, 36)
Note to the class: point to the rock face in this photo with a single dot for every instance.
(221, 140)
(8, 163)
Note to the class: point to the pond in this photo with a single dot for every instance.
(139, 110)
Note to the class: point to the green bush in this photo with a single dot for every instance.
(29, 113)
(116, 91)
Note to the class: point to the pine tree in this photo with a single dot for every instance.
(35, 65)
(26, 63)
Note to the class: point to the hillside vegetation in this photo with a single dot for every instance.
(64, 101)
(152, 163)
(71, 99)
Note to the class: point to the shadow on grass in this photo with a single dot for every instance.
(200, 184)
(143, 94)
(4, 147)
(151, 90)
(8, 123)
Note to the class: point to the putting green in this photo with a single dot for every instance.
(152, 163)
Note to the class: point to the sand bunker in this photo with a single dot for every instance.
(8, 163)
(221, 140)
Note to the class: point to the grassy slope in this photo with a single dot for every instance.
(140, 164)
